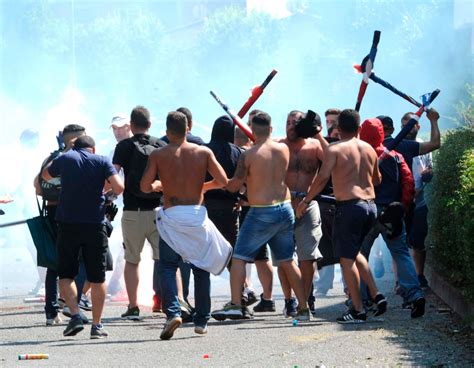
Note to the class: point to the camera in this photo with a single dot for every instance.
(309, 125)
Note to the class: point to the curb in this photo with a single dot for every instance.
(450, 295)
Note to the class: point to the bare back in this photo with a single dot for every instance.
(355, 163)
(182, 170)
(266, 165)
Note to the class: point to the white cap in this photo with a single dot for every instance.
(119, 120)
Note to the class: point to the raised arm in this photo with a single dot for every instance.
(240, 175)
(324, 144)
(435, 137)
(217, 172)
(149, 183)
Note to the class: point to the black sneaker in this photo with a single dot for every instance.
(352, 316)
(74, 326)
(98, 332)
(418, 308)
(423, 281)
(311, 306)
(187, 311)
(290, 308)
(251, 298)
(246, 313)
(380, 304)
(67, 313)
(132, 314)
(85, 303)
(230, 310)
(264, 305)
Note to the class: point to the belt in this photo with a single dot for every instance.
(271, 205)
(354, 201)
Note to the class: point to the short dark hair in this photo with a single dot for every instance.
(349, 121)
(332, 112)
(84, 141)
(73, 128)
(262, 119)
(407, 115)
(255, 112)
(176, 123)
(186, 112)
(261, 123)
(295, 112)
(140, 117)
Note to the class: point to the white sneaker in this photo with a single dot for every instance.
(201, 330)
(53, 321)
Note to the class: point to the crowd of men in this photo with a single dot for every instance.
(313, 201)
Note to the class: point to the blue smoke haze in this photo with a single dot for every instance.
(83, 62)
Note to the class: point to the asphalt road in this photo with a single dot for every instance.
(269, 340)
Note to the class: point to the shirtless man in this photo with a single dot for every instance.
(354, 169)
(182, 167)
(306, 156)
(270, 218)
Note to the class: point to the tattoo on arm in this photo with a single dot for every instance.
(241, 170)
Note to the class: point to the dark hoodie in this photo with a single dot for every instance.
(397, 181)
(226, 152)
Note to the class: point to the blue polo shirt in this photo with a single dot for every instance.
(83, 175)
(408, 149)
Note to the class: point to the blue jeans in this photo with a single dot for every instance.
(51, 306)
(398, 247)
(185, 269)
(270, 224)
(156, 278)
(169, 263)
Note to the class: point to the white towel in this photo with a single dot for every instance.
(191, 234)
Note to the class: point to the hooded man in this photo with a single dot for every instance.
(396, 186)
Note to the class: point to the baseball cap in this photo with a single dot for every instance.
(387, 121)
(119, 121)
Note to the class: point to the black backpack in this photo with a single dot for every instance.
(143, 146)
(50, 189)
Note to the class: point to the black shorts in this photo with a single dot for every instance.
(352, 222)
(92, 240)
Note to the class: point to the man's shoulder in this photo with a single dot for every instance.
(191, 138)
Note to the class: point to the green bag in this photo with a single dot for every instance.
(44, 239)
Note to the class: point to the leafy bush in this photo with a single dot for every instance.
(452, 209)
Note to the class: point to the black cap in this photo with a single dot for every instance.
(387, 121)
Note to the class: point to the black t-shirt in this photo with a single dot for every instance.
(122, 155)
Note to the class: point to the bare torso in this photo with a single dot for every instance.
(303, 165)
(266, 164)
(353, 171)
(182, 170)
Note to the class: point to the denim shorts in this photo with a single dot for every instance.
(273, 225)
(352, 222)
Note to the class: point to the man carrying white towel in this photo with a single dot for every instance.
(183, 222)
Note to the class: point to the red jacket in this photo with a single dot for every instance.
(397, 180)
